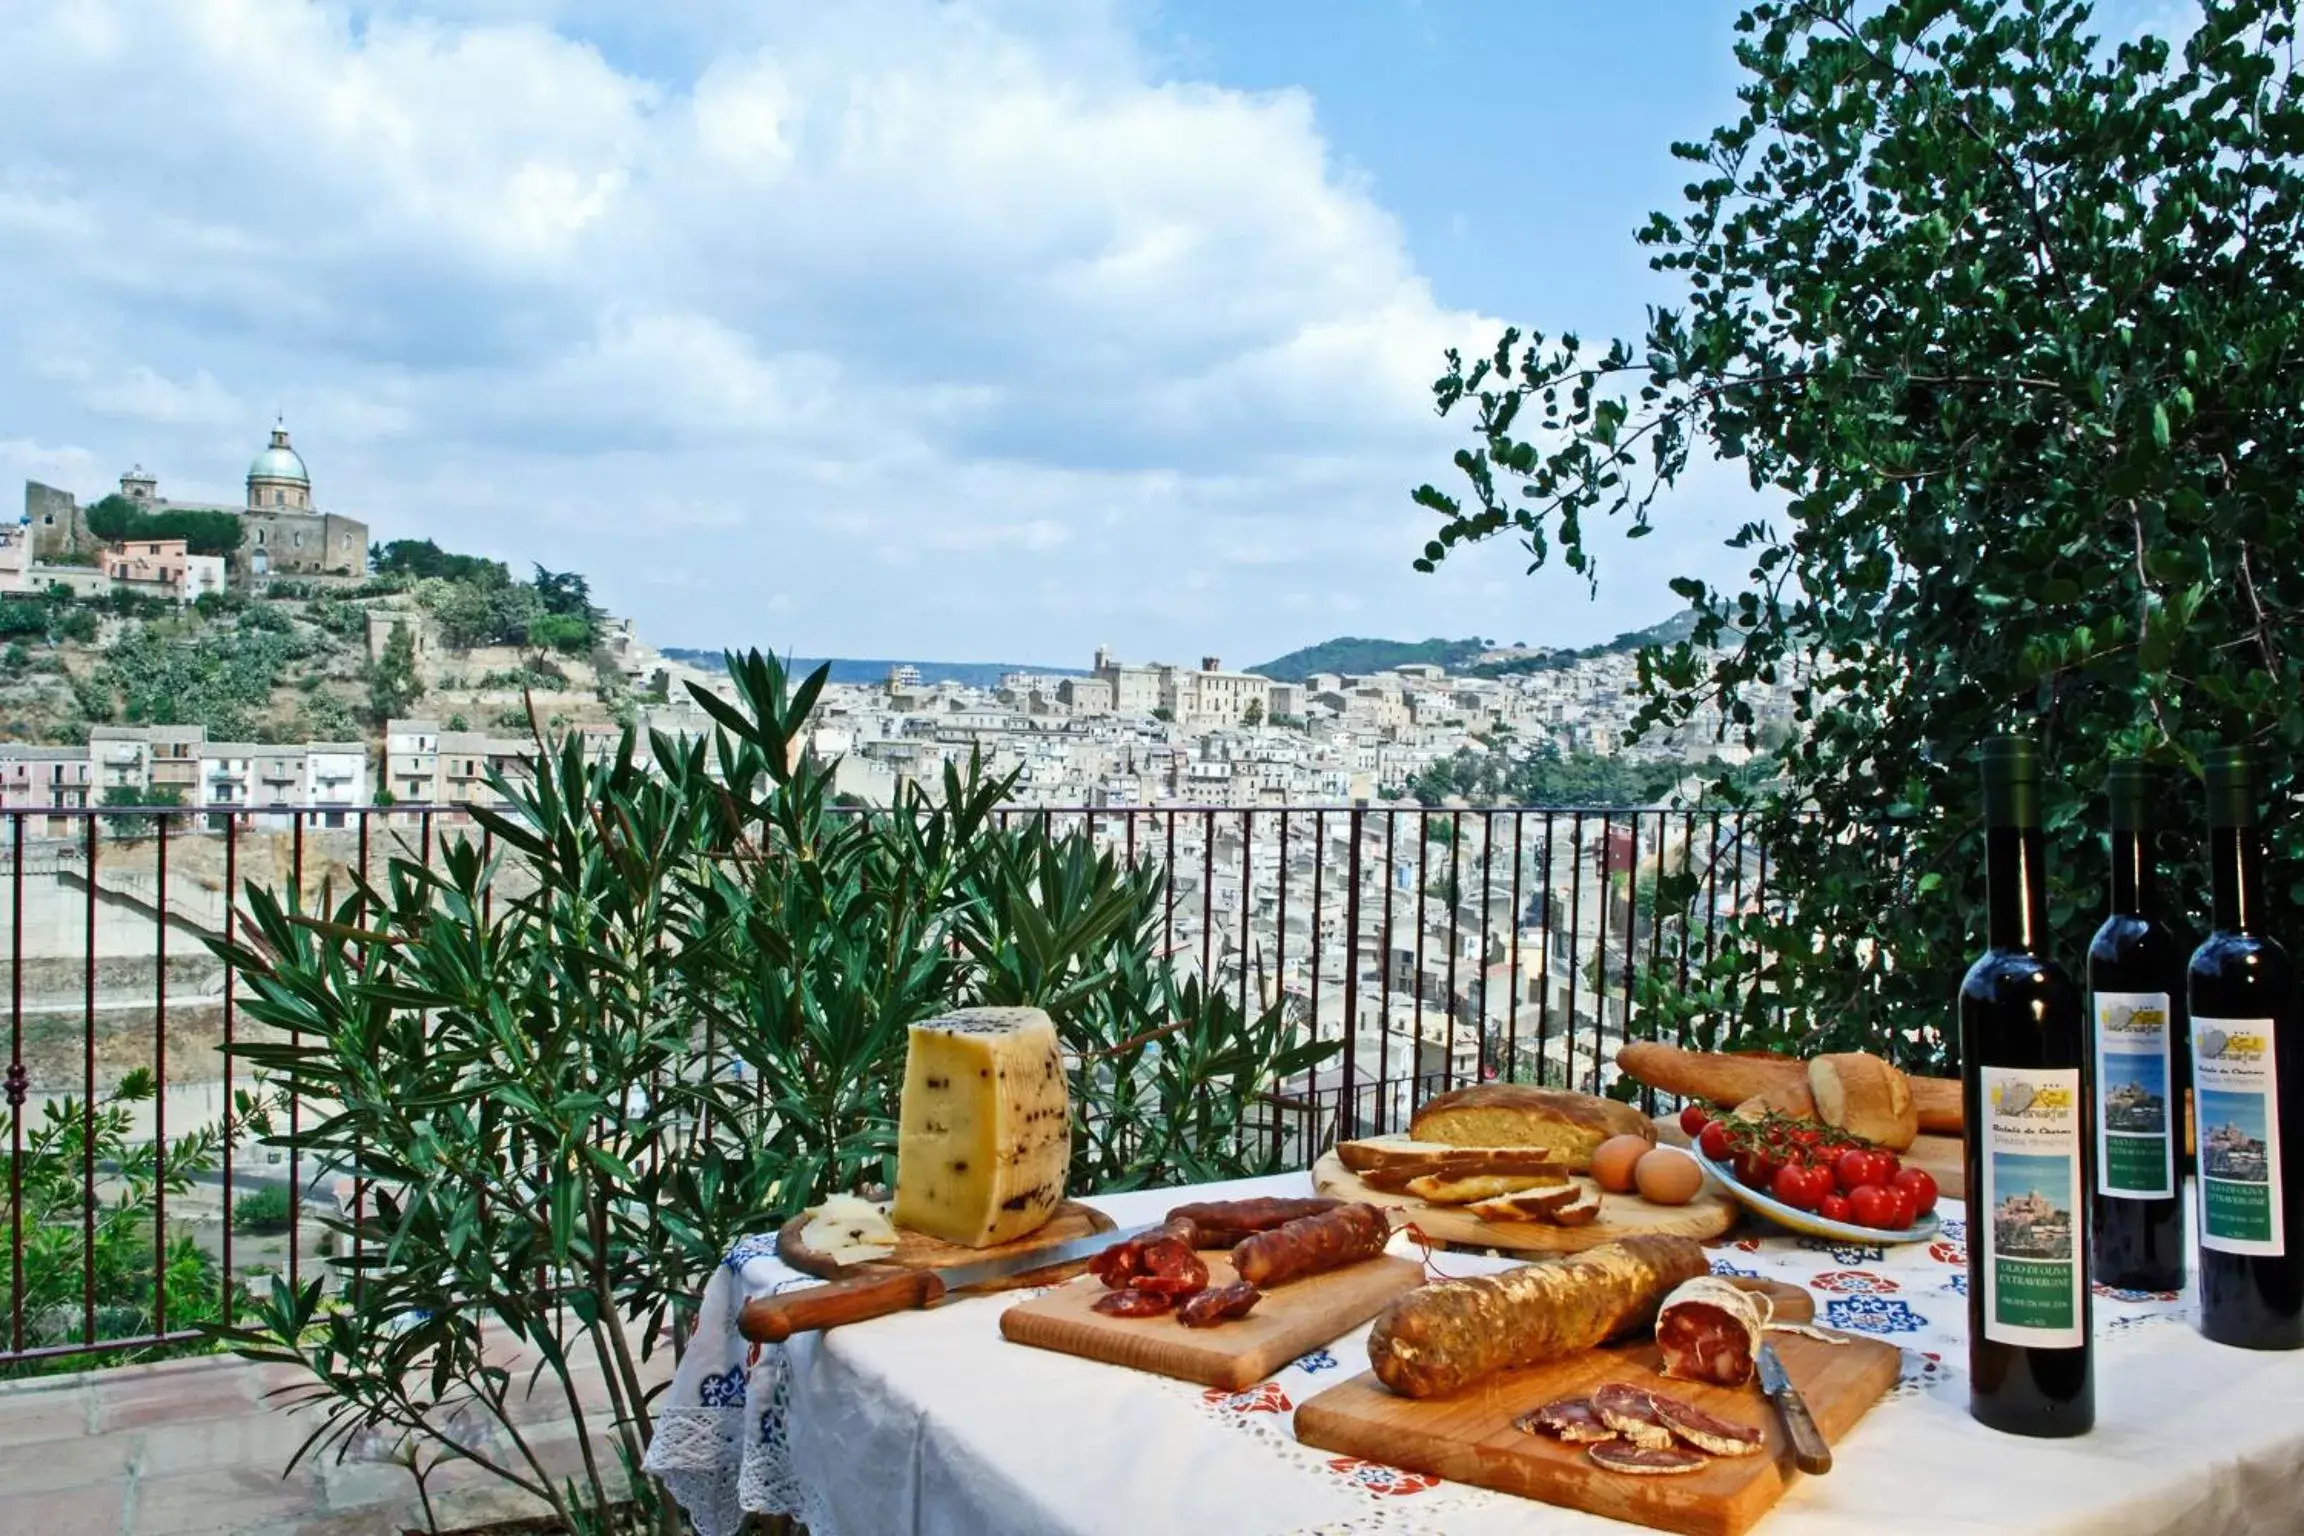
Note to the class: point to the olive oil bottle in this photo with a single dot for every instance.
(2244, 1078)
(2025, 1090)
(2136, 1014)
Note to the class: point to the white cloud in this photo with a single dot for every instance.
(952, 323)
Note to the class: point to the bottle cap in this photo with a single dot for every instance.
(2011, 782)
(2231, 776)
(2128, 784)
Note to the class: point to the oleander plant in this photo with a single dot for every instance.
(563, 1097)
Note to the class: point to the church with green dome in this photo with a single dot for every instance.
(286, 533)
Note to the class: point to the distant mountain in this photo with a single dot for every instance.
(1352, 654)
(854, 669)
(1671, 631)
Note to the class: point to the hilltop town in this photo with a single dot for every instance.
(323, 669)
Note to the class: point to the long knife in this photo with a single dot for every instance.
(773, 1319)
(1809, 1452)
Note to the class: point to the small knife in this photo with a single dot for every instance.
(773, 1319)
(1809, 1452)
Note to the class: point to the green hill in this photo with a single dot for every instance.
(1351, 654)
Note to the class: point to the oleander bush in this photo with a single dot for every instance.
(565, 1105)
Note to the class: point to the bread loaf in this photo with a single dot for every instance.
(1464, 1190)
(1709, 1075)
(1778, 1081)
(1569, 1125)
(1936, 1100)
(1859, 1093)
(1465, 1163)
(1446, 1335)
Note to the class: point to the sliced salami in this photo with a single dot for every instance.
(1631, 1413)
(1171, 1268)
(1572, 1419)
(1709, 1330)
(1220, 1305)
(1704, 1431)
(1646, 1461)
(1133, 1303)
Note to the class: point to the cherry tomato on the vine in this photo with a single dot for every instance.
(1920, 1184)
(1694, 1118)
(1833, 1208)
(1714, 1143)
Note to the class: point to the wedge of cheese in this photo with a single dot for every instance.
(984, 1129)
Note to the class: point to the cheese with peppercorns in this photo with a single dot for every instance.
(984, 1131)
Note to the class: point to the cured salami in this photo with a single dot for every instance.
(1224, 1223)
(1119, 1264)
(1170, 1268)
(1664, 1461)
(1708, 1330)
(1631, 1413)
(1450, 1333)
(1571, 1419)
(1132, 1302)
(1312, 1245)
(1704, 1431)
(1220, 1305)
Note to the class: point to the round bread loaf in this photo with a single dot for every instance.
(1568, 1125)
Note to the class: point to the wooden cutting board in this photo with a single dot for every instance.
(1707, 1216)
(1469, 1437)
(1290, 1320)
(917, 1250)
(1942, 1156)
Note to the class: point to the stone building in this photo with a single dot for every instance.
(286, 533)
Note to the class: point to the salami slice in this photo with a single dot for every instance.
(1220, 1305)
(1646, 1461)
(1704, 1431)
(1709, 1330)
(1171, 1268)
(1571, 1419)
(1133, 1303)
(1631, 1413)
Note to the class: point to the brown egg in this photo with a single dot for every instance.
(1668, 1176)
(1614, 1159)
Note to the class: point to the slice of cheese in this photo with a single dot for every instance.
(984, 1130)
(847, 1230)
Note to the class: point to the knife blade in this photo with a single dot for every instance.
(773, 1319)
(1809, 1452)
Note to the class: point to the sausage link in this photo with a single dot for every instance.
(1222, 1304)
(1225, 1223)
(1311, 1245)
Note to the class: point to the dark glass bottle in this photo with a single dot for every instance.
(2244, 1068)
(2136, 1009)
(2024, 1081)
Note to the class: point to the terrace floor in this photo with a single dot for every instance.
(192, 1446)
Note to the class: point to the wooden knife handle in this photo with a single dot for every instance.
(773, 1319)
(1810, 1453)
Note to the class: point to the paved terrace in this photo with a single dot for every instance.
(193, 1446)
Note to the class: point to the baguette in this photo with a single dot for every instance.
(1447, 1335)
(1730, 1079)
(1936, 1101)
(1714, 1078)
(1480, 1186)
(1859, 1093)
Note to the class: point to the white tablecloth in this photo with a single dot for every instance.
(931, 1423)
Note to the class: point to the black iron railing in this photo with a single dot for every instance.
(1439, 946)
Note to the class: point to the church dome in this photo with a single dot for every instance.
(279, 462)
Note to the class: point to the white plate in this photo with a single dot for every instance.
(1808, 1223)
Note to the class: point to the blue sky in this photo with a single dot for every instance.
(962, 329)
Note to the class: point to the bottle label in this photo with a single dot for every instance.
(2237, 1105)
(2135, 1151)
(2034, 1288)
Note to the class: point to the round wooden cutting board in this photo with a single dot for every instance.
(915, 1250)
(1708, 1215)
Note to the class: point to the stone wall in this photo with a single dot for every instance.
(59, 526)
